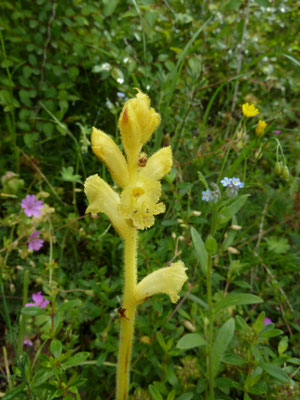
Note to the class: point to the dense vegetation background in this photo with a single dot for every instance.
(69, 66)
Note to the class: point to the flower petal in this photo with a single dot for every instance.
(108, 152)
(159, 164)
(168, 280)
(102, 198)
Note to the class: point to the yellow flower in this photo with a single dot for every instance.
(168, 280)
(260, 129)
(138, 177)
(249, 110)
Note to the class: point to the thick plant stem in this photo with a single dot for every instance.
(210, 330)
(127, 315)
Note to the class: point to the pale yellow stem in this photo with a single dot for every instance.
(127, 315)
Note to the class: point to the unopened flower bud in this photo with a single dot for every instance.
(12, 288)
(179, 220)
(196, 213)
(189, 326)
(89, 293)
(260, 129)
(278, 168)
(173, 235)
(181, 238)
(233, 250)
(285, 172)
(236, 227)
(145, 339)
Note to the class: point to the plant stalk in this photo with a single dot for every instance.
(127, 315)
(210, 328)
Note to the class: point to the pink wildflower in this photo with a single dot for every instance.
(277, 131)
(267, 321)
(35, 243)
(28, 342)
(32, 206)
(39, 300)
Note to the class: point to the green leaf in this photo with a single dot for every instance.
(237, 300)
(222, 341)
(270, 333)
(278, 245)
(42, 375)
(56, 348)
(109, 7)
(200, 249)
(262, 3)
(68, 305)
(77, 359)
(276, 372)
(154, 393)
(67, 175)
(227, 212)
(259, 323)
(233, 359)
(283, 345)
(191, 340)
(33, 310)
(211, 244)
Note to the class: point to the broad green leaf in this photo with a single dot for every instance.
(154, 393)
(222, 341)
(233, 359)
(42, 375)
(227, 212)
(109, 7)
(259, 323)
(75, 360)
(56, 348)
(283, 345)
(200, 249)
(191, 340)
(198, 301)
(68, 305)
(276, 372)
(33, 310)
(262, 3)
(237, 300)
(270, 333)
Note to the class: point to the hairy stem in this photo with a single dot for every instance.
(127, 315)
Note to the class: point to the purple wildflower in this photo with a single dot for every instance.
(35, 243)
(39, 300)
(267, 321)
(28, 342)
(277, 132)
(32, 206)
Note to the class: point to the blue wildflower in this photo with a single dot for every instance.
(237, 183)
(206, 195)
(226, 181)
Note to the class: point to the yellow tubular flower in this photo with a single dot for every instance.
(168, 280)
(137, 123)
(139, 202)
(249, 110)
(260, 129)
(108, 152)
(102, 198)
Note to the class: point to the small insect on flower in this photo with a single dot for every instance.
(249, 110)
(206, 195)
(121, 312)
(32, 206)
(142, 161)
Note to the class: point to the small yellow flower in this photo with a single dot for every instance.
(249, 110)
(260, 129)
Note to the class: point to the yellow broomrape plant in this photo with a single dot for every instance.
(134, 208)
